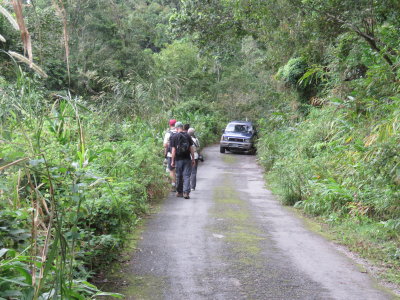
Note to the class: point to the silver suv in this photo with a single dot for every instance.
(238, 136)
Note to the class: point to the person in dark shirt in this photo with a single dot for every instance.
(182, 161)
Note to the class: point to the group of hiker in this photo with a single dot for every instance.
(181, 149)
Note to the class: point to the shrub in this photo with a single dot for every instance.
(334, 159)
(86, 181)
(292, 71)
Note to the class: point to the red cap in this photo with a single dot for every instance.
(172, 122)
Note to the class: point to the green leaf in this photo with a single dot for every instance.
(36, 162)
(18, 282)
(74, 294)
(11, 293)
(24, 272)
(17, 231)
(28, 294)
(89, 285)
(3, 251)
(115, 295)
(11, 253)
(107, 150)
(51, 256)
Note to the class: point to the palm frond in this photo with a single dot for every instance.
(9, 17)
(32, 65)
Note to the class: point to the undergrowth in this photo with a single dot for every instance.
(344, 165)
(73, 183)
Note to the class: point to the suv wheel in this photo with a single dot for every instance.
(221, 149)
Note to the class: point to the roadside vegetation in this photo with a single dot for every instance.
(82, 117)
(81, 136)
(322, 79)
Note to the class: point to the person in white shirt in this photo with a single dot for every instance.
(168, 154)
(196, 147)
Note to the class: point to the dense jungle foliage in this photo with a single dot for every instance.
(87, 88)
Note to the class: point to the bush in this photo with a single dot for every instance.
(292, 71)
(333, 159)
(86, 181)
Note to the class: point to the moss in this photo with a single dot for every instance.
(225, 194)
(246, 260)
(229, 159)
(229, 201)
(234, 214)
(246, 240)
(144, 287)
(241, 234)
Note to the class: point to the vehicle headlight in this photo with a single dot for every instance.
(247, 140)
(224, 138)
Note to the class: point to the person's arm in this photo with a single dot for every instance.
(192, 155)
(192, 152)
(165, 150)
(166, 143)
(173, 154)
(173, 150)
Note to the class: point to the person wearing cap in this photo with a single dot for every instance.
(168, 154)
(196, 150)
(182, 161)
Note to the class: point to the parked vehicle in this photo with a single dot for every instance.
(238, 136)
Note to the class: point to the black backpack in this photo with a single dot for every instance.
(182, 145)
(171, 133)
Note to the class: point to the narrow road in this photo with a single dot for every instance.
(233, 240)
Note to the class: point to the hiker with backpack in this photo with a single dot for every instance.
(182, 159)
(168, 153)
(196, 150)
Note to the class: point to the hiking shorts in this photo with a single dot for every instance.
(169, 164)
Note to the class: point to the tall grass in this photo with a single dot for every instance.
(74, 179)
(71, 186)
(342, 165)
(332, 158)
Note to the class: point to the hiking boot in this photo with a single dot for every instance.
(186, 195)
(179, 194)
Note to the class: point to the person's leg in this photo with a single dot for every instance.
(179, 169)
(187, 170)
(193, 176)
(172, 175)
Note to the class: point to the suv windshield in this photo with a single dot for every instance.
(237, 128)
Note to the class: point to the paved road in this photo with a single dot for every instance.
(233, 240)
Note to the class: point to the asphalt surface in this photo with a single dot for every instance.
(233, 240)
